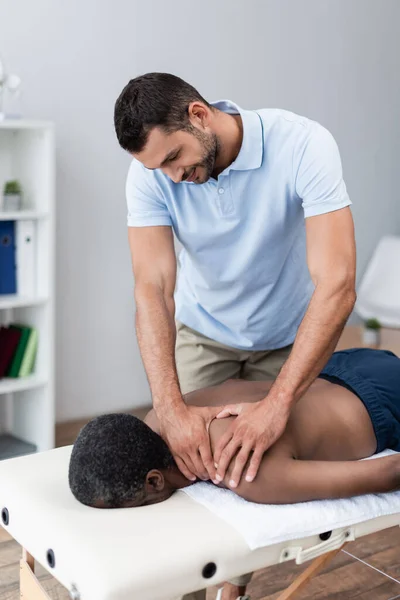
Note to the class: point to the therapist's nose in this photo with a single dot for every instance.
(174, 173)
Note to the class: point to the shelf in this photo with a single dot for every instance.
(22, 215)
(9, 385)
(27, 153)
(10, 447)
(8, 301)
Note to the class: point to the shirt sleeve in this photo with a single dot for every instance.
(318, 174)
(145, 203)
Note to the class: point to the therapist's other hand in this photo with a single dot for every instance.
(257, 426)
(186, 433)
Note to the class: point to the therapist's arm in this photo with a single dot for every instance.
(154, 268)
(331, 258)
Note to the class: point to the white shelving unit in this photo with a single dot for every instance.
(27, 411)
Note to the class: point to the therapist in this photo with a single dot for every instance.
(267, 271)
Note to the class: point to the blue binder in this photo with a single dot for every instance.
(8, 282)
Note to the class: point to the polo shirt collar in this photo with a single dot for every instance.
(251, 151)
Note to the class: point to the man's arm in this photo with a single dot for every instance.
(331, 262)
(331, 258)
(154, 267)
(285, 481)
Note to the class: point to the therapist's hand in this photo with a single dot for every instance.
(257, 426)
(186, 432)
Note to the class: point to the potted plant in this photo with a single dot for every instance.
(372, 332)
(12, 195)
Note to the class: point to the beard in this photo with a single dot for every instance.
(210, 147)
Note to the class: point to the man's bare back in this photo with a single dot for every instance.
(328, 425)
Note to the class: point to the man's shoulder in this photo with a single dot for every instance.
(280, 120)
(283, 129)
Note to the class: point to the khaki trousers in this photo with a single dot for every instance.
(202, 362)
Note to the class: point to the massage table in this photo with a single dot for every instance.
(169, 551)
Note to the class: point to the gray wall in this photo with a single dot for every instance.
(336, 61)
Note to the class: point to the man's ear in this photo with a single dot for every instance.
(199, 114)
(155, 481)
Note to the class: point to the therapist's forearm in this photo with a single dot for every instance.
(316, 339)
(156, 332)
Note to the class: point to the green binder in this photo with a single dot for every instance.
(19, 353)
(28, 359)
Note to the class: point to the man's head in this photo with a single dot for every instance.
(166, 124)
(117, 461)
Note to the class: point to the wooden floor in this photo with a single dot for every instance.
(369, 569)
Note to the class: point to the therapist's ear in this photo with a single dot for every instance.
(155, 481)
(199, 114)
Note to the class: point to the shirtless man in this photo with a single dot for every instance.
(350, 412)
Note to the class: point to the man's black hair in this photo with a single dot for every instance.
(153, 100)
(111, 458)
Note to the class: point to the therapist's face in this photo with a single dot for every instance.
(184, 155)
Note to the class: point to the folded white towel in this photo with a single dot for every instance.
(266, 524)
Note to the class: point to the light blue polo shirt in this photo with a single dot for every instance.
(243, 278)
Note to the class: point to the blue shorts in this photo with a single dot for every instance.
(374, 376)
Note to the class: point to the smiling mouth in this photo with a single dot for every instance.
(191, 176)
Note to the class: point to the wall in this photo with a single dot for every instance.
(332, 60)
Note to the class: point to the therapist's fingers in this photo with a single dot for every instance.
(222, 443)
(240, 462)
(184, 469)
(193, 462)
(254, 464)
(225, 459)
(196, 461)
(206, 457)
(230, 410)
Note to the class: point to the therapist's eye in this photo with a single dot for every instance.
(175, 157)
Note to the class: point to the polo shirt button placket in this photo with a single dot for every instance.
(225, 203)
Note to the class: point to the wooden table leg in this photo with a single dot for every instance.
(30, 588)
(304, 578)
